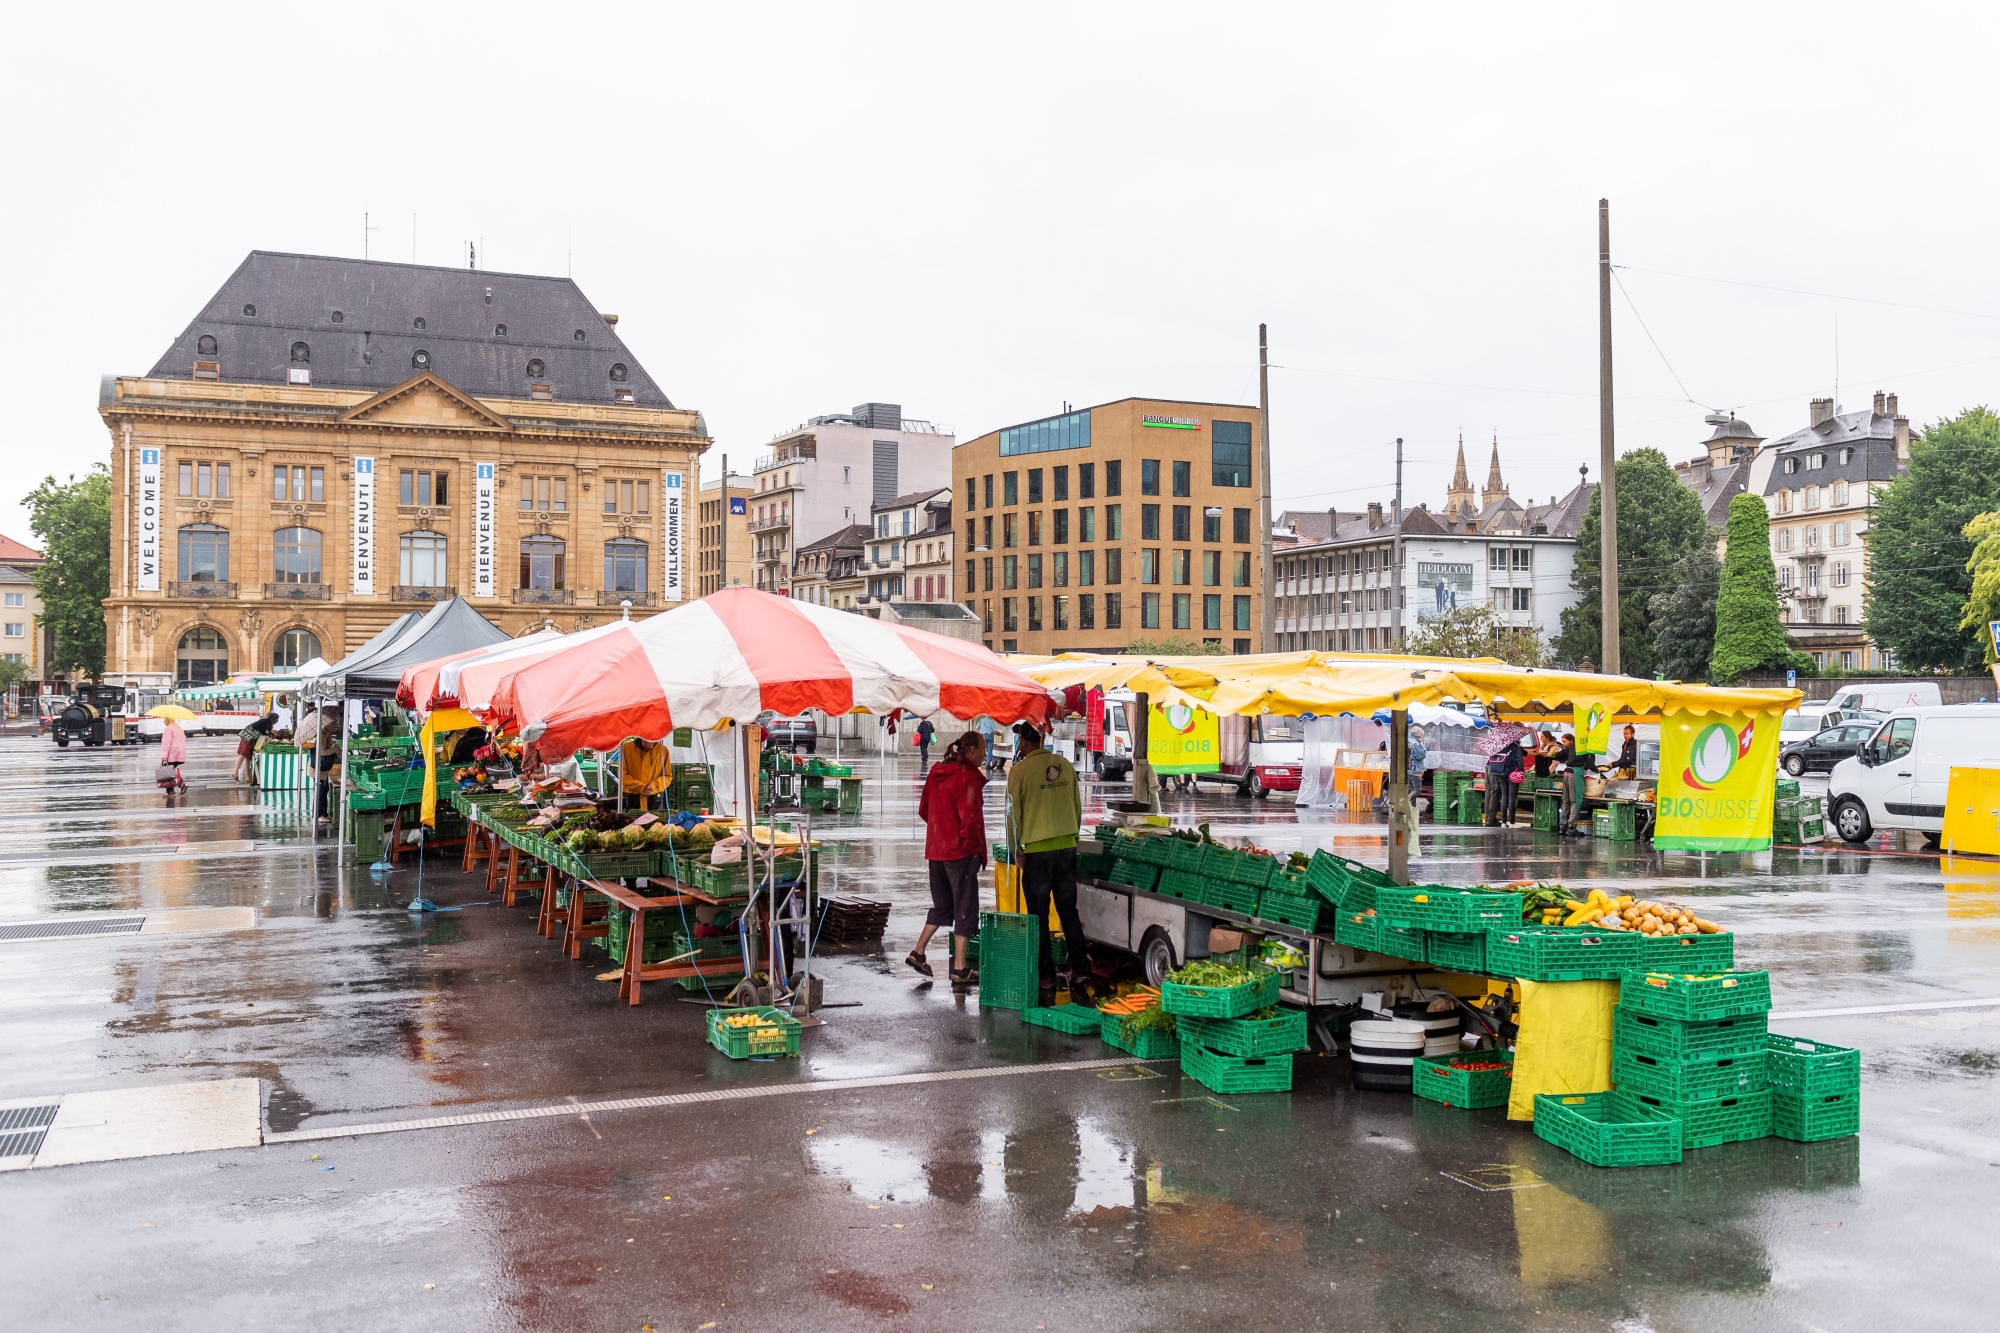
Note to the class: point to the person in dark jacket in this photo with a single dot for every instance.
(953, 808)
(1503, 799)
(924, 733)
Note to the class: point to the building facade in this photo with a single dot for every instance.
(26, 639)
(830, 473)
(1820, 485)
(723, 509)
(832, 570)
(1129, 520)
(332, 442)
(898, 531)
(928, 554)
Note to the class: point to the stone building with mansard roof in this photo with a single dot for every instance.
(333, 442)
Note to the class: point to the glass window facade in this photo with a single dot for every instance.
(1047, 435)
(1231, 453)
(296, 556)
(624, 566)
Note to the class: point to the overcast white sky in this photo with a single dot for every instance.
(983, 211)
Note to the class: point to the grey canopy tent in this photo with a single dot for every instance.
(447, 628)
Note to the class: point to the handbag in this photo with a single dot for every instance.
(165, 773)
(1517, 777)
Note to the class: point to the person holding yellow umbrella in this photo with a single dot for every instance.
(173, 749)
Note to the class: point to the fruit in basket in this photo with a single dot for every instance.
(748, 1021)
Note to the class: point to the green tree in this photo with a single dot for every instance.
(12, 674)
(1476, 631)
(1982, 607)
(73, 521)
(1658, 521)
(1918, 579)
(1684, 616)
(1748, 635)
(1171, 645)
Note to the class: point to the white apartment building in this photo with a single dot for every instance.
(1820, 485)
(831, 473)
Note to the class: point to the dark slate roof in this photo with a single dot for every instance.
(374, 345)
(1565, 517)
(9, 574)
(851, 537)
(1733, 429)
(912, 500)
(1870, 434)
(1312, 525)
(1719, 486)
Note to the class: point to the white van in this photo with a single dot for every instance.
(1802, 723)
(1898, 779)
(1885, 697)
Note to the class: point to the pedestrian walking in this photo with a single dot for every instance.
(246, 748)
(1044, 818)
(1503, 779)
(924, 733)
(173, 753)
(953, 808)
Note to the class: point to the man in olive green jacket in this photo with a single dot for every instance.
(1044, 818)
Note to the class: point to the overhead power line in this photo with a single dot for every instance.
(1801, 291)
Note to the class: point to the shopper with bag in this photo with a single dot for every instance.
(924, 733)
(953, 808)
(173, 753)
(1503, 785)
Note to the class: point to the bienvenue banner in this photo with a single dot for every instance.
(485, 556)
(364, 526)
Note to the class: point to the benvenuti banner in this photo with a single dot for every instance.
(1718, 782)
(1182, 739)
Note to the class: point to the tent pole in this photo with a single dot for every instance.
(341, 789)
(1400, 824)
(1143, 788)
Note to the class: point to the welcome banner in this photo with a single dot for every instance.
(1718, 782)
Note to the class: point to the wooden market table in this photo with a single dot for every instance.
(634, 972)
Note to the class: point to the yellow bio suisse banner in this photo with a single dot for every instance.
(1593, 730)
(1718, 782)
(1183, 739)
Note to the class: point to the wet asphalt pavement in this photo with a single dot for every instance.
(1083, 1199)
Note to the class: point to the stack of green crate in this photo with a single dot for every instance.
(1797, 820)
(1009, 960)
(1252, 1053)
(1548, 811)
(1692, 1049)
(692, 788)
(1289, 901)
(1471, 806)
(1787, 788)
(1815, 1088)
(1446, 786)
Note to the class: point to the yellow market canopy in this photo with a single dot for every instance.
(1294, 684)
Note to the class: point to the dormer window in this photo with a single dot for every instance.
(1816, 462)
(420, 326)
(205, 345)
(618, 373)
(249, 312)
(1791, 466)
(301, 354)
(1846, 457)
(499, 330)
(577, 336)
(535, 369)
(339, 317)
(422, 360)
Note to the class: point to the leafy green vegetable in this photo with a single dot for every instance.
(1154, 1019)
(1211, 974)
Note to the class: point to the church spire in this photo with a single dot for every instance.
(1458, 500)
(1496, 489)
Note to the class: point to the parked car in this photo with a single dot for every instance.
(1819, 752)
(1898, 778)
(794, 733)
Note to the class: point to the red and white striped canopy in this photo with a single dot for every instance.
(419, 687)
(739, 652)
(469, 683)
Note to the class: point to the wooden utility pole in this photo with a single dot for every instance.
(1607, 453)
(1269, 621)
(1396, 563)
(722, 560)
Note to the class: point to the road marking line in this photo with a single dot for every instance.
(1887, 1009)
(570, 1108)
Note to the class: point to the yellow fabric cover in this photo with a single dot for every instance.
(440, 720)
(644, 768)
(1565, 1041)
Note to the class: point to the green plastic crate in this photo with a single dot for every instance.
(1075, 1019)
(1808, 1119)
(1788, 788)
(1337, 879)
(1093, 865)
(1220, 1001)
(1358, 930)
(1144, 850)
(1700, 955)
(1247, 1036)
(1247, 868)
(1147, 1044)
(1461, 951)
(1009, 960)
(1695, 999)
(1671, 1039)
(1135, 874)
(1471, 806)
(1288, 909)
(1548, 811)
(1559, 953)
(1411, 942)
(1797, 833)
(618, 865)
(780, 1038)
(1235, 1073)
(1181, 854)
(1802, 1068)
(1594, 1127)
(1183, 884)
(1435, 907)
(1684, 1080)
(1734, 1119)
(1440, 1078)
(1229, 894)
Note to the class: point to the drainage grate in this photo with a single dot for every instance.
(53, 930)
(22, 1129)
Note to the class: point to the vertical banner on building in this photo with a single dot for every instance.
(147, 538)
(1718, 782)
(484, 553)
(671, 550)
(364, 526)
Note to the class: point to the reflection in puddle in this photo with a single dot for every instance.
(1104, 1172)
(871, 1168)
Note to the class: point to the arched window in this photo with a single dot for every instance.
(625, 566)
(294, 648)
(205, 345)
(420, 326)
(542, 563)
(536, 369)
(423, 561)
(618, 373)
(202, 657)
(422, 360)
(295, 557)
(499, 330)
(204, 554)
(301, 354)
